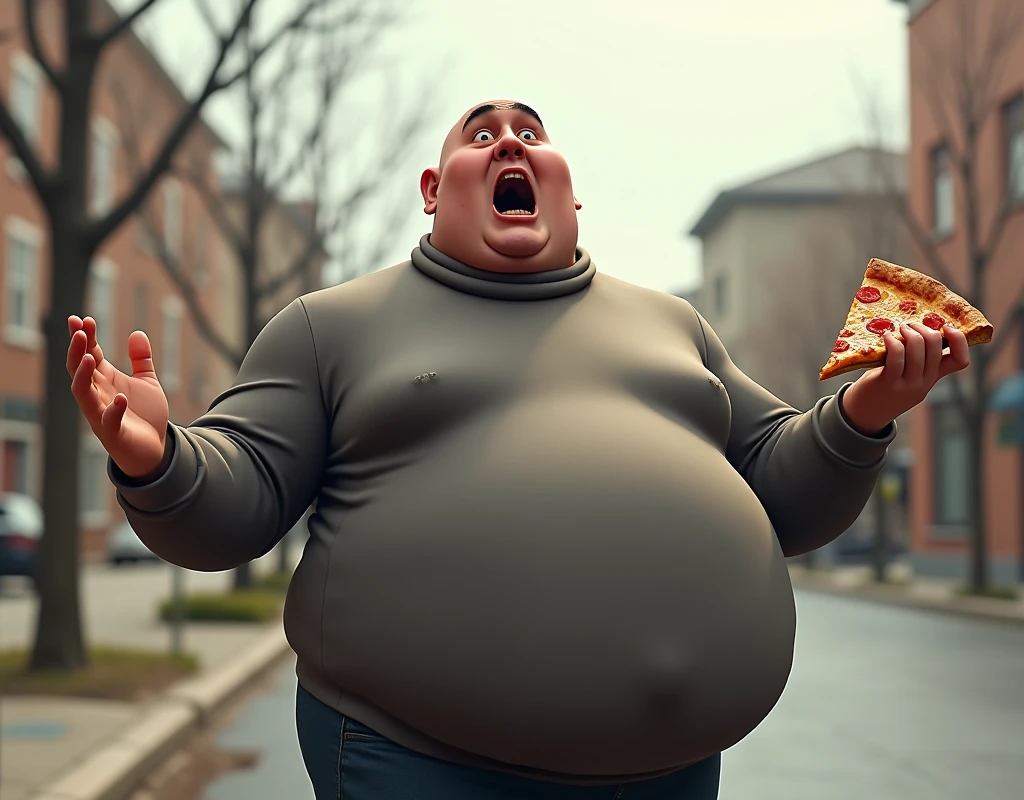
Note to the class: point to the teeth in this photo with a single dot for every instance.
(517, 212)
(510, 175)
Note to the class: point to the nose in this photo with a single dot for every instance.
(508, 146)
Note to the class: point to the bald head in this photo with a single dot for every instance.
(501, 195)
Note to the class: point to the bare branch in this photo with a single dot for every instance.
(204, 11)
(300, 264)
(101, 229)
(28, 10)
(42, 179)
(1004, 333)
(214, 204)
(124, 23)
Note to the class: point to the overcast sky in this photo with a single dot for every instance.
(657, 105)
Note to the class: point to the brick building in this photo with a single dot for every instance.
(134, 102)
(937, 198)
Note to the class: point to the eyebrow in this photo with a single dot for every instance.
(487, 108)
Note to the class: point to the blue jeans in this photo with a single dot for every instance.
(348, 761)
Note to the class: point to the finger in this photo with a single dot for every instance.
(74, 325)
(895, 358)
(89, 326)
(84, 392)
(932, 351)
(959, 355)
(913, 343)
(140, 351)
(75, 351)
(112, 415)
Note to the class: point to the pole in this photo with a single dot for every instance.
(177, 609)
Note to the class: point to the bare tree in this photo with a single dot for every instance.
(89, 29)
(281, 149)
(960, 73)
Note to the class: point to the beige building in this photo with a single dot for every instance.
(782, 257)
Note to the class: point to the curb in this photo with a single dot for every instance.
(116, 770)
(973, 608)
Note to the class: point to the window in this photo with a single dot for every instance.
(169, 368)
(102, 306)
(140, 306)
(94, 486)
(1013, 134)
(103, 166)
(721, 289)
(200, 263)
(26, 94)
(14, 471)
(173, 208)
(197, 388)
(943, 208)
(21, 284)
(951, 456)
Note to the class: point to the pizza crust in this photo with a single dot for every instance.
(895, 285)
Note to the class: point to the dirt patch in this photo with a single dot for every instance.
(188, 772)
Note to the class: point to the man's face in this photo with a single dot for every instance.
(502, 197)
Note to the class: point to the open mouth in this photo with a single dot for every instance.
(513, 195)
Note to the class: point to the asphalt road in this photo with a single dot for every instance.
(884, 703)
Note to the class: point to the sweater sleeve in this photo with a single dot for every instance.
(812, 472)
(241, 475)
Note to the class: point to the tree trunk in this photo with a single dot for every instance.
(976, 498)
(59, 639)
(880, 549)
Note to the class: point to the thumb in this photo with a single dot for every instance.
(112, 415)
(140, 351)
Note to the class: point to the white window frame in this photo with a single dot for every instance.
(106, 330)
(943, 194)
(174, 216)
(29, 434)
(169, 368)
(15, 334)
(94, 517)
(23, 66)
(102, 185)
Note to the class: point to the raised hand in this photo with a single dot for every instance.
(128, 414)
(912, 367)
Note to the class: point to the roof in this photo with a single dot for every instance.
(856, 171)
(159, 71)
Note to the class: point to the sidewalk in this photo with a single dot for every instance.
(81, 749)
(906, 590)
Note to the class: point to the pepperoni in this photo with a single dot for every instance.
(841, 346)
(868, 294)
(845, 334)
(880, 325)
(909, 306)
(933, 321)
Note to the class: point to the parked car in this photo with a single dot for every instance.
(125, 547)
(21, 528)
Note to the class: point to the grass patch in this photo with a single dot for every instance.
(250, 605)
(112, 674)
(273, 582)
(992, 592)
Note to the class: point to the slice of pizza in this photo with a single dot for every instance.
(889, 297)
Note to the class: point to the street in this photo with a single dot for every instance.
(884, 703)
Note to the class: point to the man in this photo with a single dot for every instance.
(547, 555)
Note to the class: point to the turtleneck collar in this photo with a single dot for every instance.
(503, 285)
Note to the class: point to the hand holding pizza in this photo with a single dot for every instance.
(900, 323)
(912, 367)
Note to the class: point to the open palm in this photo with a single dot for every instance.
(128, 413)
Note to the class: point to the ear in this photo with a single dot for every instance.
(429, 181)
(579, 205)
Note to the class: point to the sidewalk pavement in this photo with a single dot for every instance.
(905, 589)
(82, 749)
(74, 749)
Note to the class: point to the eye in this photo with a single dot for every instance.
(483, 136)
(527, 135)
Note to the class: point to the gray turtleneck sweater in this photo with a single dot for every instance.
(550, 514)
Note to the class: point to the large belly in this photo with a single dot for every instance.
(601, 596)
